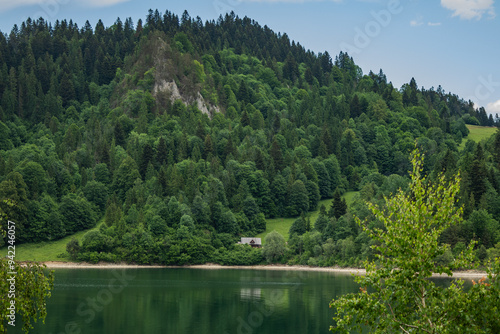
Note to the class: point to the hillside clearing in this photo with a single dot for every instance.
(478, 133)
(46, 251)
(282, 225)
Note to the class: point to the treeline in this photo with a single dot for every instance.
(335, 238)
(184, 136)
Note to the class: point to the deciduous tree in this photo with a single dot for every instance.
(274, 247)
(396, 294)
(32, 284)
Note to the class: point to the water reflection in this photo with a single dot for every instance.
(251, 294)
(192, 301)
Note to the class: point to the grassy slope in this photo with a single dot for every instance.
(46, 251)
(282, 225)
(478, 133)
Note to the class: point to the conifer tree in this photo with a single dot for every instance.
(67, 90)
(125, 177)
(161, 152)
(243, 93)
(276, 155)
(338, 207)
(355, 107)
(113, 212)
(146, 157)
(244, 120)
(119, 134)
(478, 174)
(208, 146)
(496, 148)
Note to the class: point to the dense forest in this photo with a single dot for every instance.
(183, 136)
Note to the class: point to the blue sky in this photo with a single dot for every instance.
(452, 43)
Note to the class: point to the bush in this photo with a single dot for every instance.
(493, 253)
(242, 255)
(459, 248)
(73, 248)
(481, 253)
(313, 262)
(92, 257)
(95, 241)
(445, 259)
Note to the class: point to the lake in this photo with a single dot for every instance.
(181, 300)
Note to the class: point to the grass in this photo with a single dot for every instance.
(282, 225)
(47, 250)
(478, 133)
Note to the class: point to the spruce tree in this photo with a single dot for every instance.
(119, 134)
(478, 174)
(146, 157)
(496, 148)
(338, 207)
(244, 120)
(355, 107)
(208, 146)
(276, 155)
(161, 152)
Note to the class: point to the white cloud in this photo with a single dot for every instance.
(493, 107)
(470, 9)
(6, 5)
(433, 24)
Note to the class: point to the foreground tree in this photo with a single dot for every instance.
(274, 247)
(25, 292)
(396, 294)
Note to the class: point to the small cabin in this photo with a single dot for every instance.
(254, 242)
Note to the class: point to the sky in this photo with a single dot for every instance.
(452, 43)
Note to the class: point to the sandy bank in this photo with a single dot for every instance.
(101, 265)
(82, 265)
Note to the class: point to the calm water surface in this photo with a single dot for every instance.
(168, 300)
(181, 301)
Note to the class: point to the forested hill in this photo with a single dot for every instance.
(186, 135)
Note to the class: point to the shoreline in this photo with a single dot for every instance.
(211, 266)
(208, 266)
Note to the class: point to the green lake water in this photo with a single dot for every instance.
(226, 301)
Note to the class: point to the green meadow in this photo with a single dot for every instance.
(46, 251)
(282, 225)
(478, 133)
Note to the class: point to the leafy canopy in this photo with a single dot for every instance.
(396, 294)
